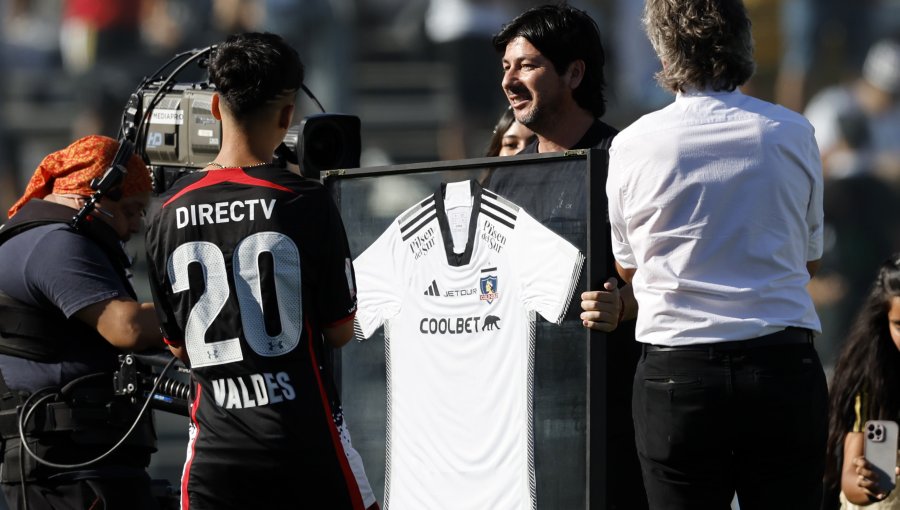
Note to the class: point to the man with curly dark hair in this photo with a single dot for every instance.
(553, 77)
(715, 205)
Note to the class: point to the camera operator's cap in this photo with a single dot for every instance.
(882, 66)
(71, 170)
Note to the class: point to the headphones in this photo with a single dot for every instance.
(108, 184)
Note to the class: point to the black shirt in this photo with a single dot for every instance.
(248, 266)
(557, 197)
(598, 136)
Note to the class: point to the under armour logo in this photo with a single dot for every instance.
(278, 344)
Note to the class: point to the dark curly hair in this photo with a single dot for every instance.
(252, 69)
(869, 363)
(563, 34)
(704, 43)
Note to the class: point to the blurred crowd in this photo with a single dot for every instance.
(69, 66)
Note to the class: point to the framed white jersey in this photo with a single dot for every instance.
(457, 281)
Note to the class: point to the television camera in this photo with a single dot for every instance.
(173, 129)
(182, 135)
(171, 126)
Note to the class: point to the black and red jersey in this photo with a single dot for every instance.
(247, 266)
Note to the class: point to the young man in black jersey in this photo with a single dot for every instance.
(251, 271)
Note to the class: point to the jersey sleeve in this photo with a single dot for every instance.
(168, 325)
(336, 296)
(157, 279)
(378, 278)
(547, 266)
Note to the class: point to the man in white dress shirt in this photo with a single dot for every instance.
(715, 204)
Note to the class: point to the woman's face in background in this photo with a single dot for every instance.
(515, 139)
(893, 316)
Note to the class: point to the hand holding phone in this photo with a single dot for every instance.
(881, 452)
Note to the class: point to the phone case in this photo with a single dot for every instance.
(881, 451)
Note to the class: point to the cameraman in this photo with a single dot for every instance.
(252, 278)
(67, 309)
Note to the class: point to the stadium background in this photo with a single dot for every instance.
(424, 79)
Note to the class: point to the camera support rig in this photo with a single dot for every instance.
(135, 380)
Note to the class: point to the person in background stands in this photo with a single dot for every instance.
(865, 385)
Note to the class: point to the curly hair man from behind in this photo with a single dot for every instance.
(715, 206)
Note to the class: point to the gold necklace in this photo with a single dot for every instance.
(219, 165)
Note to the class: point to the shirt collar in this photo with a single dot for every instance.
(706, 92)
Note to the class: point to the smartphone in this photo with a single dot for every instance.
(881, 451)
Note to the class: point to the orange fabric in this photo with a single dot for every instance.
(71, 170)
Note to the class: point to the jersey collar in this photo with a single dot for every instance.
(458, 259)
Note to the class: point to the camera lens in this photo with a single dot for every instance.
(871, 435)
(325, 146)
(328, 142)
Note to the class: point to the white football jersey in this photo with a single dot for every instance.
(456, 281)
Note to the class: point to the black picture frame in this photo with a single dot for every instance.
(565, 192)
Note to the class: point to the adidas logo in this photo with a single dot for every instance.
(432, 289)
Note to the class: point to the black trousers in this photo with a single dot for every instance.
(710, 422)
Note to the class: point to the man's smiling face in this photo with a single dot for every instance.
(532, 86)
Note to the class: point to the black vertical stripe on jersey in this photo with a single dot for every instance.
(461, 259)
(271, 313)
(186, 475)
(349, 479)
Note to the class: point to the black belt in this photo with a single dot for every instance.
(789, 336)
(56, 417)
